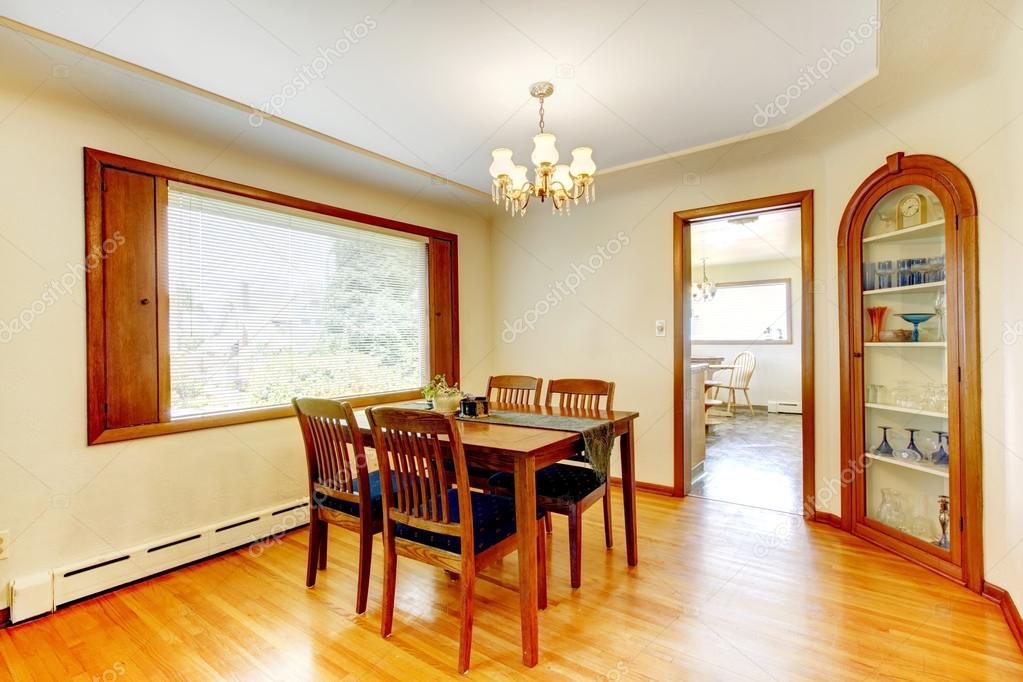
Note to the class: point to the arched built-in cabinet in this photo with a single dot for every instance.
(910, 365)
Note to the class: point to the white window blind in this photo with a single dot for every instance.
(753, 312)
(267, 304)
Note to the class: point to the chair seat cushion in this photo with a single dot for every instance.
(493, 520)
(352, 508)
(558, 481)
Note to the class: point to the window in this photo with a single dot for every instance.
(212, 303)
(266, 304)
(745, 312)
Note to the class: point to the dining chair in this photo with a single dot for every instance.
(457, 529)
(740, 373)
(567, 488)
(342, 489)
(514, 389)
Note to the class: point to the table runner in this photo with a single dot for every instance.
(598, 434)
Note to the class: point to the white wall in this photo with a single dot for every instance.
(779, 369)
(949, 85)
(61, 500)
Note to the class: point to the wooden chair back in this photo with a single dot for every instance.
(514, 389)
(745, 362)
(410, 447)
(334, 452)
(582, 394)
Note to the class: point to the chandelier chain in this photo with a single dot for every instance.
(541, 114)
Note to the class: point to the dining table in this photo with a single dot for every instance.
(522, 450)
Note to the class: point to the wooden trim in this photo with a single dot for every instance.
(5, 617)
(953, 188)
(95, 163)
(683, 221)
(654, 488)
(126, 163)
(828, 519)
(1004, 600)
(210, 421)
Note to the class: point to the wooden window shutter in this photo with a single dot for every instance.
(444, 308)
(123, 253)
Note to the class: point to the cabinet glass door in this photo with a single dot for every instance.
(905, 366)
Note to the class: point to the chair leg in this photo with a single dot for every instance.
(548, 524)
(390, 576)
(324, 539)
(541, 567)
(609, 540)
(365, 560)
(575, 545)
(731, 401)
(749, 402)
(314, 550)
(465, 630)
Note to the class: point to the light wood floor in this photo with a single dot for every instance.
(722, 592)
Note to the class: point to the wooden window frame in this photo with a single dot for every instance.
(788, 341)
(443, 297)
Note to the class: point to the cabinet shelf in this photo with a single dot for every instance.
(933, 231)
(923, 467)
(905, 344)
(911, 288)
(905, 410)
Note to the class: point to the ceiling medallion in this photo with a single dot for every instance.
(561, 183)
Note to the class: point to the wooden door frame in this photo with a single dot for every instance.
(683, 344)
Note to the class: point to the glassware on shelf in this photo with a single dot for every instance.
(943, 518)
(884, 275)
(869, 276)
(940, 456)
(884, 449)
(939, 310)
(906, 395)
(877, 394)
(891, 511)
(910, 453)
(876, 315)
(887, 224)
(916, 319)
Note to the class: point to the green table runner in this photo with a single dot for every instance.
(598, 434)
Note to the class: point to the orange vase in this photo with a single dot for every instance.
(877, 316)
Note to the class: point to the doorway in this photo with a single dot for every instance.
(744, 382)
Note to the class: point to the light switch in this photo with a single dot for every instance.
(660, 328)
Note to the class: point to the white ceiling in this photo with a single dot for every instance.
(773, 236)
(437, 85)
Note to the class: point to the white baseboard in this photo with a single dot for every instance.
(100, 573)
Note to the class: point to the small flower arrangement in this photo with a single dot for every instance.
(442, 397)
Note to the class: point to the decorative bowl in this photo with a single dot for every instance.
(447, 404)
(896, 335)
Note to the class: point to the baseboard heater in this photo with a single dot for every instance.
(43, 592)
(784, 407)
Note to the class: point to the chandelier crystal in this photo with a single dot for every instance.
(704, 291)
(563, 184)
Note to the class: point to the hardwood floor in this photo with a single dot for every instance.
(722, 592)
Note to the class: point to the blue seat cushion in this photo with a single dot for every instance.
(493, 520)
(352, 508)
(561, 481)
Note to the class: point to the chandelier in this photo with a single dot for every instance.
(705, 290)
(563, 184)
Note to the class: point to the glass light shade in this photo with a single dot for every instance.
(544, 149)
(518, 177)
(582, 162)
(562, 176)
(502, 164)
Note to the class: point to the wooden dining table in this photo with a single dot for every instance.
(523, 450)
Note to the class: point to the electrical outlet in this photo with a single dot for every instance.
(660, 328)
(5, 542)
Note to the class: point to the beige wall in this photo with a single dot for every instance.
(949, 85)
(63, 501)
(779, 370)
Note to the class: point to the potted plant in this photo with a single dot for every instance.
(442, 398)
